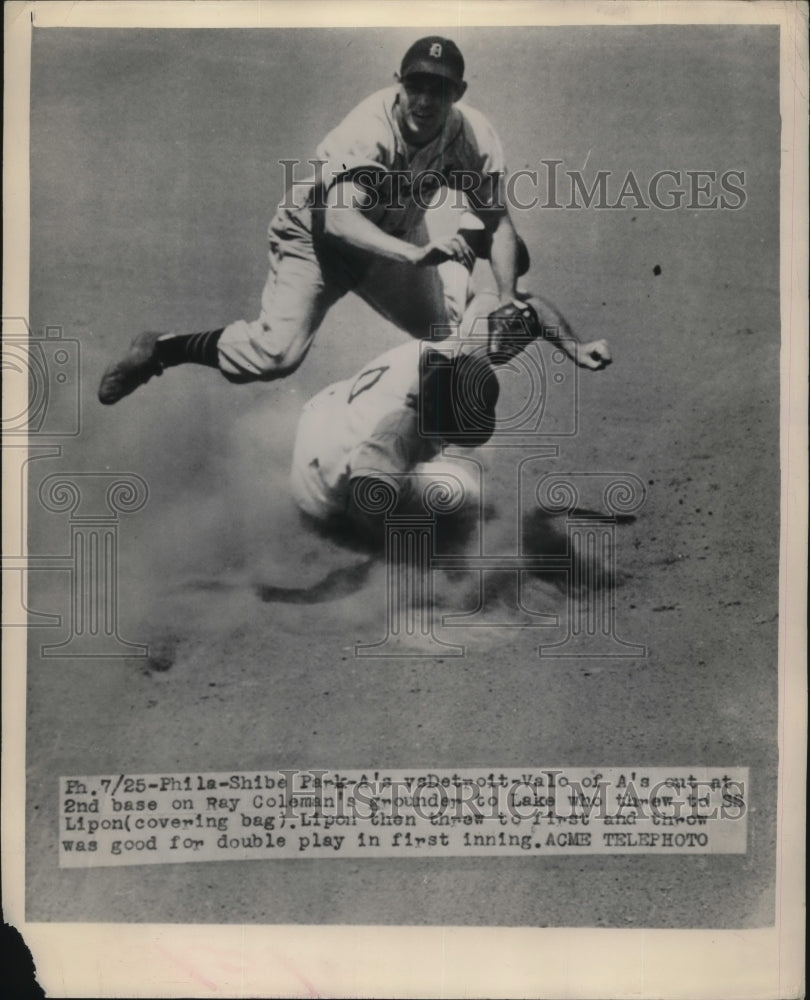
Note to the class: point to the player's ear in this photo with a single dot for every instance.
(461, 90)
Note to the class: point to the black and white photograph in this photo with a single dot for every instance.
(411, 520)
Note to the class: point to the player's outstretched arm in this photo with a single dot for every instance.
(350, 212)
(594, 355)
(503, 257)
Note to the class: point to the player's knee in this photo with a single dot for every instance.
(285, 365)
(444, 198)
(279, 361)
(446, 211)
(264, 370)
(257, 351)
(435, 199)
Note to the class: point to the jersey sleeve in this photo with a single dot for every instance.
(483, 154)
(488, 141)
(362, 146)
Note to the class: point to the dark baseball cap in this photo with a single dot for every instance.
(436, 55)
(457, 398)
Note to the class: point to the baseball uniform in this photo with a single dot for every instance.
(366, 425)
(309, 271)
(427, 171)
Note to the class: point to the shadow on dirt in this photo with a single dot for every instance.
(453, 535)
(543, 535)
(585, 571)
(341, 582)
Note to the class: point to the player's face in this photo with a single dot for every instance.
(425, 101)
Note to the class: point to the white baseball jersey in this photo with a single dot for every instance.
(369, 145)
(365, 425)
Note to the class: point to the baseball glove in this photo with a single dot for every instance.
(512, 327)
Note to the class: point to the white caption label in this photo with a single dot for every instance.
(134, 819)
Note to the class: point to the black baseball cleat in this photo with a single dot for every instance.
(137, 366)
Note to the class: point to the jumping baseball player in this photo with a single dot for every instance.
(368, 222)
(389, 422)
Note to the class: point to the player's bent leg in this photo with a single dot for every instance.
(411, 298)
(423, 301)
(474, 321)
(449, 212)
(295, 300)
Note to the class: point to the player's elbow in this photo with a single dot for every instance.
(344, 203)
(341, 221)
(332, 222)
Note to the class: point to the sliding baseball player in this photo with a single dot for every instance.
(388, 423)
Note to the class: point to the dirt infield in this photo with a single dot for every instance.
(154, 171)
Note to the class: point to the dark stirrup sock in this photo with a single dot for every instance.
(194, 348)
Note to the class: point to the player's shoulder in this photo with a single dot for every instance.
(368, 124)
(475, 121)
(391, 376)
(472, 114)
(404, 358)
(378, 106)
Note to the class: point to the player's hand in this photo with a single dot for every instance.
(438, 251)
(595, 355)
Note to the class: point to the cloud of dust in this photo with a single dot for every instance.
(223, 549)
